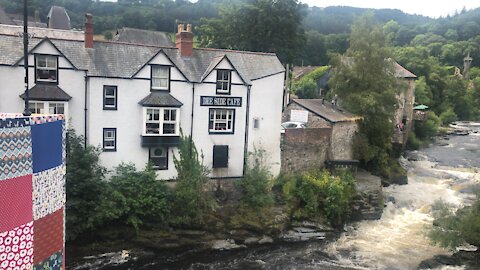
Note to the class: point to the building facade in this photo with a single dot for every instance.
(135, 100)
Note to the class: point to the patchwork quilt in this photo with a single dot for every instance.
(32, 192)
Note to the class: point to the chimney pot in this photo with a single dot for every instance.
(88, 31)
(184, 40)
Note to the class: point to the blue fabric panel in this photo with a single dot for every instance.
(46, 146)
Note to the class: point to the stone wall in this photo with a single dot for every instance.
(343, 134)
(304, 149)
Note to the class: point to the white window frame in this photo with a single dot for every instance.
(44, 107)
(113, 97)
(160, 77)
(112, 138)
(47, 66)
(161, 121)
(222, 81)
(215, 118)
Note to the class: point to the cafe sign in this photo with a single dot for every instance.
(220, 101)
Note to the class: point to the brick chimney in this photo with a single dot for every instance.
(184, 40)
(89, 31)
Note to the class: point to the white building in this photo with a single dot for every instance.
(133, 99)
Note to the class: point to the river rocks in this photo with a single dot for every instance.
(469, 259)
(302, 234)
(227, 244)
(368, 204)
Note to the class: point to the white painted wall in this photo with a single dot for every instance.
(70, 80)
(266, 104)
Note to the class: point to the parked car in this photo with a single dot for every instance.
(286, 125)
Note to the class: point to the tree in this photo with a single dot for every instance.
(192, 202)
(364, 81)
(89, 197)
(259, 25)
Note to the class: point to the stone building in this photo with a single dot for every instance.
(329, 134)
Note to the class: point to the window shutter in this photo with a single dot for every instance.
(220, 156)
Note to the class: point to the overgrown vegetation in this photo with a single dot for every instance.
(192, 201)
(131, 197)
(140, 197)
(317, 195)
(256, 184)
(365, 83)
(307, 86)
(455, 228)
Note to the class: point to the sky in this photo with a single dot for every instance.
(430, 8)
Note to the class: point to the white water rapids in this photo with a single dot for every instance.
(449, 170)
(397, 240)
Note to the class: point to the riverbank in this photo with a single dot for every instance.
(231, 227)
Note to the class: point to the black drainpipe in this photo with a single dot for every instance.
(86, 109)
(247, 120)
(191, 124)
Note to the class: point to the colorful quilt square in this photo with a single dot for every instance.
(54, 262)
(14, 122)
(15, 152)
(46, 145)
(16, 248)
(48, 236)
(15, 202)
(48, 191)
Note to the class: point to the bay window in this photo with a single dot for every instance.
(161, 121)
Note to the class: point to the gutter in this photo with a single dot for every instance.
(247, 120)
(85, 109)
(191, 123)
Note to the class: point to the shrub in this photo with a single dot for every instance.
(306, 88)
(256, 182)
(448, 116)
(452, 229)
(316, 194)
(413, 143)
(141, 197)
(192, 201)
(88, 205)
(426, 130)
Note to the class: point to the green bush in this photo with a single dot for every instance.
(448, 116)
(89, 205)
(306, 88)
(318, 194)
(192, 201)
(413, 143)
(451, 229)
(426, 130)
(140, 196)
(256, 184)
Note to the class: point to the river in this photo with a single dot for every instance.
(448, 170)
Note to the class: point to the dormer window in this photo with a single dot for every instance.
(223, 81)
(46, 68)
(160, 77)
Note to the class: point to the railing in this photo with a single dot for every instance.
(342, 164)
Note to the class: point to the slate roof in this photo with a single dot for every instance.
(58, 18)
(123, 60)
(330, 113)
(401, 72)
(49, 92)
(146, 37)
(160, 99)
